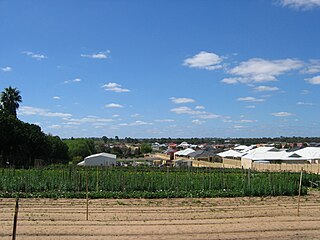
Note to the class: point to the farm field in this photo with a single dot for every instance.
(149, 183)
(179, 218)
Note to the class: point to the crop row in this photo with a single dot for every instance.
(147, 182)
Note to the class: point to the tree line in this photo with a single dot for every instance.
(21, 143)
(210, 140)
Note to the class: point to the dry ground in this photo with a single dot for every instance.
(218, 218)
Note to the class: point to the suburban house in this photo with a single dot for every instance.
(183, 153)
(202, 155)
(265, 155)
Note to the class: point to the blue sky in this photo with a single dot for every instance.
(183, 68)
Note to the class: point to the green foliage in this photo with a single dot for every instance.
(146, 148)
(146, 182)
(10, 99)
(21, 143)
(59, 150)
(80, 148)
(104, 139)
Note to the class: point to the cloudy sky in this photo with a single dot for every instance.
(169, 68)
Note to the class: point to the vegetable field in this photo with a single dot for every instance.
(117, 182)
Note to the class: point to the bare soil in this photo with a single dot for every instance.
(201, 218)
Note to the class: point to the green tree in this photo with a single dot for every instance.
(35, 142)
(10, 136)
(10, 99)
(80, 148)
(21, 143)
(58, 150)
(146, 148)
(105, 139)
(137, 152)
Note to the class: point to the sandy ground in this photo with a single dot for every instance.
(219, 218)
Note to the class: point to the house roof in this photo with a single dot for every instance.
(184, 152)
(230, 153)
(263, 153)
(108, 155)
(270, 153)
(184, 144)
(307, 153)
(202, 154)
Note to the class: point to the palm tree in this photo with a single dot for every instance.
(10, 99)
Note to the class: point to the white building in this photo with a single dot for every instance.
(230, 154)
(273, 155)
(183, 145)
(184, 153)
(99, 159)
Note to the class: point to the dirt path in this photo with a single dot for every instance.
(219, 218)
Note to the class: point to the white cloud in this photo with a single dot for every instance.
(27, 110)
(204, 60)
(115, 115)
(136, 123)
(305, 103)
(208, 116)
(113, 105)
(100, 124)
(250, 99)
(235, 80)
(314, 80)
(282, 114)
(76, 80)
(266, 89)
(164, 120)
(181, 100)
(228, 121)
(56, 97)
(313, 67)
(36, 56)
(261, 70)
(199, 107)
(266, 96)
(54, 127)
(247, 121)
(251, 106)
(6, 69)
(237, 126)
(72, 123)
(197, 113)
(139, 123)
(114, 87)
(88, 119)
(186, 110)
(300, 4)
(135, 115)
(99, 55)
(198, 122)
(305, 92)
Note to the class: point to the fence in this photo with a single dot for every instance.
(233, 162)
(310, 168)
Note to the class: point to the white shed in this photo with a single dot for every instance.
(99, 159)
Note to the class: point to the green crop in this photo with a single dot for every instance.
(147, 182)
